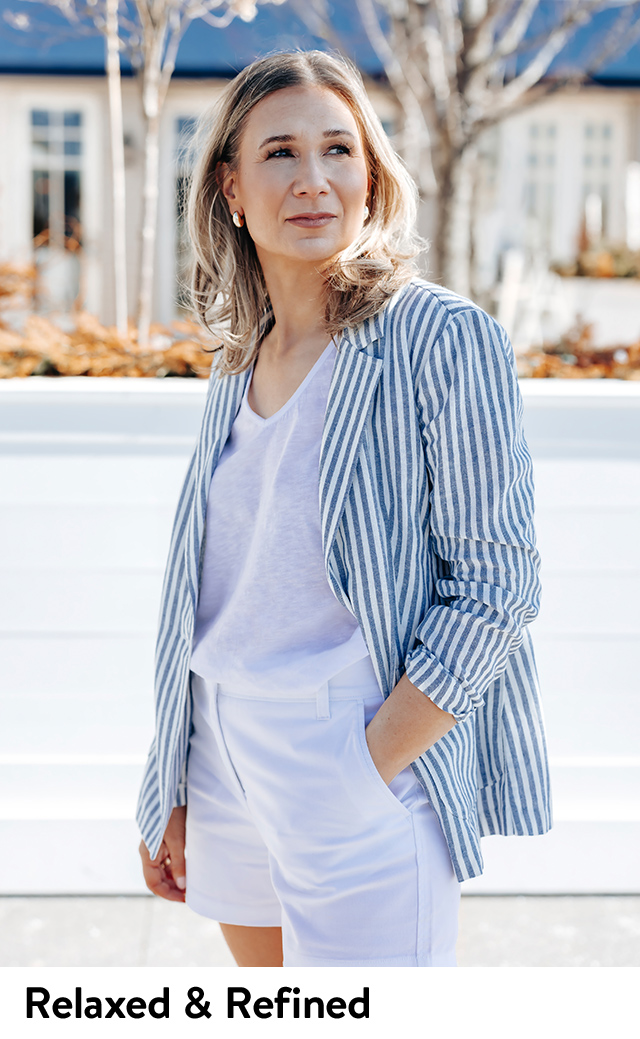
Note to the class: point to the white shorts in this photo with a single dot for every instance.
(290, 824)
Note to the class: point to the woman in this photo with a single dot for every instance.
(342, 658)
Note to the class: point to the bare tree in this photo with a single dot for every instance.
(458, 67)
(149, 32)
(153, 44)
(117, 167)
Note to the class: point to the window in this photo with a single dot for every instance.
(56, 175)
(597, 154)
(540, 179)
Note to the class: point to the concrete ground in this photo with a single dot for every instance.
(495, 931)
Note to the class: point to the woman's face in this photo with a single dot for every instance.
(301, 181)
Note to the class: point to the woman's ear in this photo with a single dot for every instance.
(227, 181)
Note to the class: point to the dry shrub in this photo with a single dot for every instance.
(77, 344)
(604, 261)
(575, 357)
(89, 348)
(17, 285)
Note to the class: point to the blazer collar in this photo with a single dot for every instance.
(363, 336)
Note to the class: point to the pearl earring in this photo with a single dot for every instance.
(238, 219)
(366, 212)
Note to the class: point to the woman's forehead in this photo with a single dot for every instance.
(297, 111)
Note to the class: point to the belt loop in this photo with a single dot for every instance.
(322, 702)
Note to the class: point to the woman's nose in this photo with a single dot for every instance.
(311, 179)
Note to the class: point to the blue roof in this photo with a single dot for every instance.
(52, 46)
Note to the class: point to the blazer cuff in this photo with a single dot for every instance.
(446, 690)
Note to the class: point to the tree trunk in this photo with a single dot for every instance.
(151, 106)
(453, 236)
(149, 222)
(117, 169)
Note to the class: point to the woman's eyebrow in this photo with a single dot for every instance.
(286, 138)
(281, 138)
(339, 133)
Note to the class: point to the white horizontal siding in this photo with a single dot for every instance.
(69, 791)
(86, 535)
(89, 600)
(576, 857)
(53, 665)
(110, 725)
(590, 695)
(578, 537)
(82, 479)
(578, 602)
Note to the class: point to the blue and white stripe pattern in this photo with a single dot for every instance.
(426, 504)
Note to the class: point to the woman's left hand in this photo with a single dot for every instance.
(165, 875)
(406, 725)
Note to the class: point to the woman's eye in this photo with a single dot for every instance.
(335, 149)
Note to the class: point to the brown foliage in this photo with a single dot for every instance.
(17, 284)
(88, 348)
(574, 357)
(605, 261)
(78, 344)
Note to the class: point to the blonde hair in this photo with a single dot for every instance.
(228, 292)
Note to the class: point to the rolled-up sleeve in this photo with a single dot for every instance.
(481, 539)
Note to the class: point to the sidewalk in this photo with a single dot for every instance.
(495, 931)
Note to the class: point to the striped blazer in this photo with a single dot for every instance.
(426, 506)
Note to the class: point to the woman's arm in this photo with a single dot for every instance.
(403, 728)
(481, 514)
(481, 535)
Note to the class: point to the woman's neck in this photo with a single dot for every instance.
(298, 300)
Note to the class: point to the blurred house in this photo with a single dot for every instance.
(537, 171)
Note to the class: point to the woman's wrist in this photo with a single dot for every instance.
(404, 727)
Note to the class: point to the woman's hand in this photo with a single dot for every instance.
(165, 875)
(406, 725)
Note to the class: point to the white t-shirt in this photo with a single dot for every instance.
(267, 620)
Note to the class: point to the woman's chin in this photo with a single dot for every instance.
(313, 251)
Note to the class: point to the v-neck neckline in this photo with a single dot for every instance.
(294, 396)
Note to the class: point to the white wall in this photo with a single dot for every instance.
(89, 474)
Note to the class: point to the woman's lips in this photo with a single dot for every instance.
(311, 219)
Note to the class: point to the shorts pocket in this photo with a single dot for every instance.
(374, 784)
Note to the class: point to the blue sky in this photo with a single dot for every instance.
(52, 46)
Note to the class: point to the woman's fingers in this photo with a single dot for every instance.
(174, 838)
(176, 865)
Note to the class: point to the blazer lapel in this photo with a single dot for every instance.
(355, 377)
(221, 409)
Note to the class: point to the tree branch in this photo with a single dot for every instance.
(409, 89)
(581, 12)
(620, 37)
(518, 26)
(478, 39)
